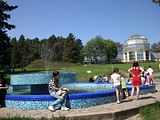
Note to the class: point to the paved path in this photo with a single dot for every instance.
(102, 112)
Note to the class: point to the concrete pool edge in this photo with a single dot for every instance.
(110, 111)
(79, 100)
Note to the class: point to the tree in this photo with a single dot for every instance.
(99, 49)
(55, 44)
(4, 39)
(119, 46)
(78, 46)
(58, 49)
(94, 49)
(110, 50)
(14, 53)
(33, 49)
(72, 48)
(156, 47)
(22, 52)
(156, 1)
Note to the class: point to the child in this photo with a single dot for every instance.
(129, 77)
(125, 92)
(116, 80)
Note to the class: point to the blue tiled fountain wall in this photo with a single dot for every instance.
(41, 78)
(37, 83)
(74, 100)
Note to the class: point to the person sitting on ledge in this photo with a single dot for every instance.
(91, 79)
(3, 90)
(58, 93)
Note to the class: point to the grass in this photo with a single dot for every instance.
(81, 70)
(101, 69)
(150, 112)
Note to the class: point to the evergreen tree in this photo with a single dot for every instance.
(58, 49)
(72, 48)
(14, 53)
(4, 39)
(34, 45)
(22, 53)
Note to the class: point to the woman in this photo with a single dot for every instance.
(116, 80)
(3, 90)
(58, 93)
(136, 72)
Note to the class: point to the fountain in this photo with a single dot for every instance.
(84, 94)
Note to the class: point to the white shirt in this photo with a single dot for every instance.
(116, 78)
(150, 71)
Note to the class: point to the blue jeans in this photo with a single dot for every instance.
(60, 101)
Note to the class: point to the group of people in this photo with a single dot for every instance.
(136, 74)
(103, 78)
(146, 77)
(118, 82)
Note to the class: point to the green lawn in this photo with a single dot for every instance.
(96, 69)
(150, 112)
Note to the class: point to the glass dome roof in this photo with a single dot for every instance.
(136, 39)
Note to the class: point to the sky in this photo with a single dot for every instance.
(86, 19)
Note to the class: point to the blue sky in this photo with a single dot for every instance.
(86, 19)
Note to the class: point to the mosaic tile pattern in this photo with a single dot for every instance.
(86, 86)
(73, 101)
(34, 78)
(77, 103)
(84, 103)
(37, 83)
(41, 78)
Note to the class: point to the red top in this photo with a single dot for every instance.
(136, 81)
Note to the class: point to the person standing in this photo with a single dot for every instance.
(150, 77)
(58, 93)
(116, 80)
(136, 72)
(3, 90)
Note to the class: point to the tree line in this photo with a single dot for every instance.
(18, 53)
(54, 49)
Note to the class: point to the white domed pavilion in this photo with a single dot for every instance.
(136, 48)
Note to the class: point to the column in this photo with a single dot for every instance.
(124, 59)
(149, 55)
(135, 55)
(144, 55)
(127, 56)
